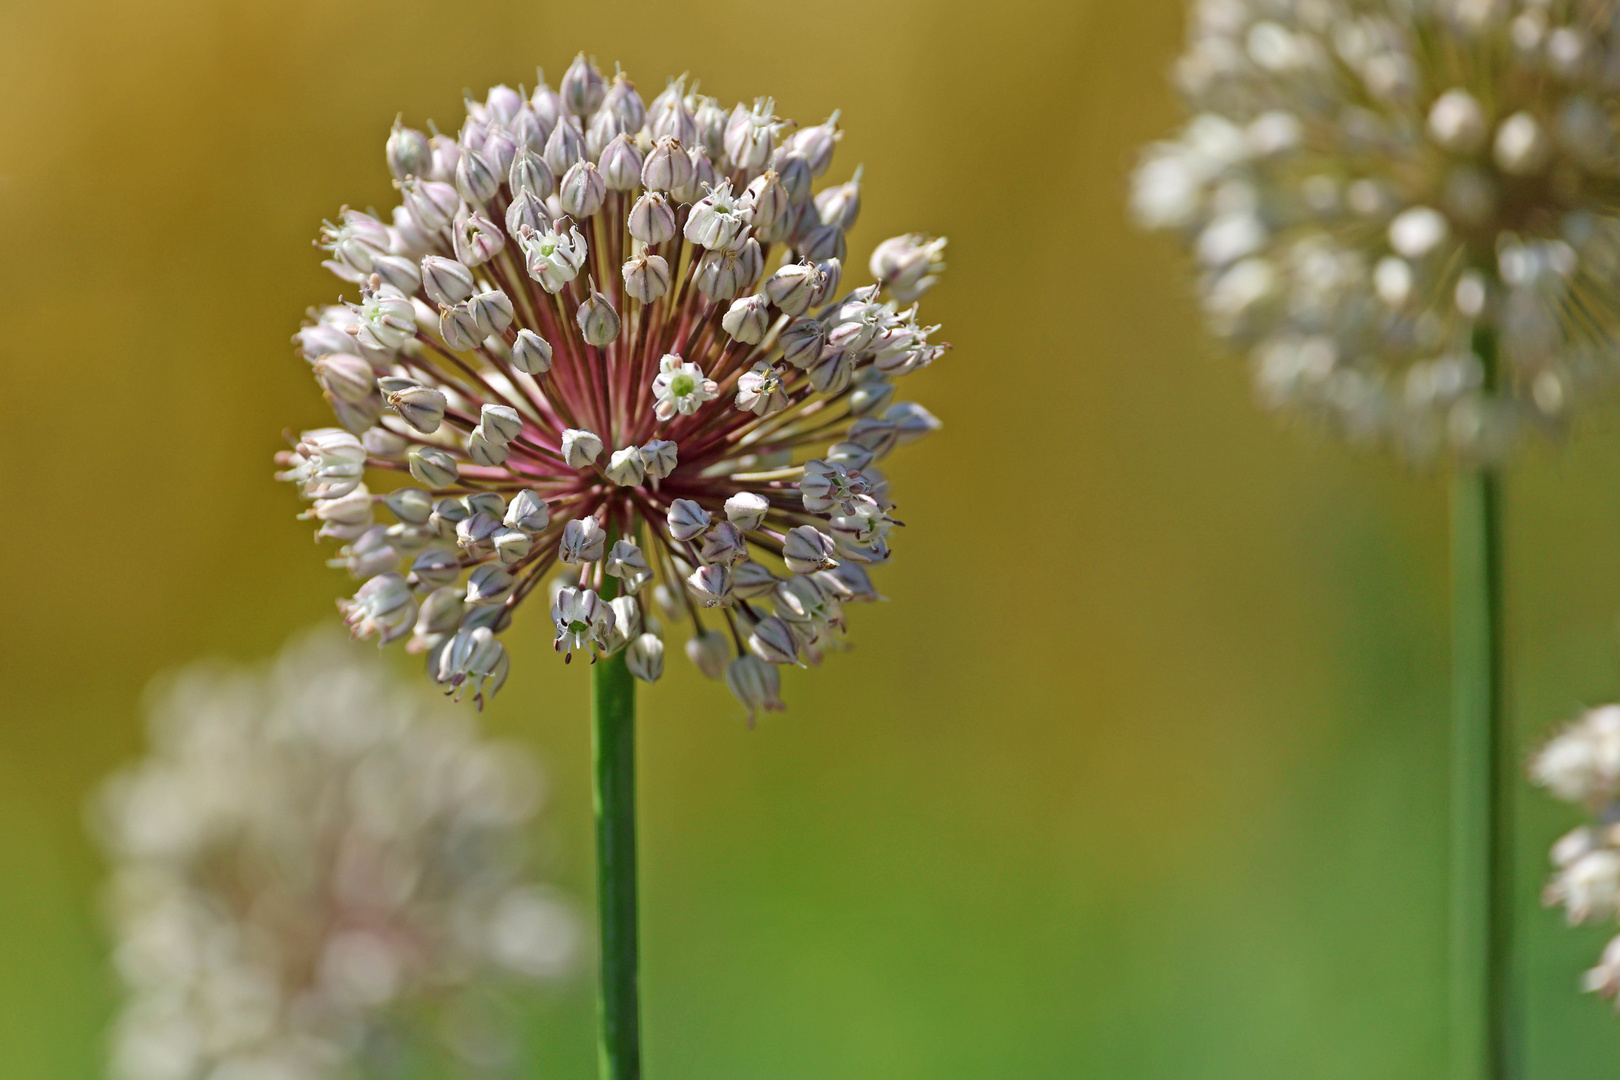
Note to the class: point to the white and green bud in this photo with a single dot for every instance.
(625, 467)
(447, 514)
(484, 450)
(383, 607)
(708, 652)
(747, 319)
(747, 510)
(686, 519)
(710, 585)
(565, 148)
(476, 238)
(346, 377)
(652, 219)
(794, 287)
(412, 506)
(531, 353)
(645, 658)
(489, 584)
(475, 535)
(442, 611)
(446, 281)
(911, 421)
(583, 541)
(582, 88)
(501, 422)
(580, 448)
(723, 544)
(702, 178)
(646, 277)
(408, 152)
(530, 175)
(431, 204)
(626, 562)
(476, 179)
(528, 511)
(511, 545)
(435, 568)
(598, 322)
(459, 328)
(801, 342)
(620, 164)
(751, 580)
(432, 466)
(397, 271)
(660, 457)
(773, 642)
(816, 144)
(581, 191)
(768, 207)
(420, 406)
(667, 167)
(908, 265)
(756, 684)
(491, 312)
(807, 549)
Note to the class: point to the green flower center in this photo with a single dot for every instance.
(682, 384)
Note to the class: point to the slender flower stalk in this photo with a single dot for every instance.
(1407, 214)
(600, 352)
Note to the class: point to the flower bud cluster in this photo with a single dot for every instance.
(602, 346)
(1401, 212)
(313, 871)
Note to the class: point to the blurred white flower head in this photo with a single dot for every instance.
(1381, 194)
(316, 872)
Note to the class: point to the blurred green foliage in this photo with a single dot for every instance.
(1140, 774)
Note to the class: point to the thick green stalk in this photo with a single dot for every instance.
(613, 729)
(1481, 781)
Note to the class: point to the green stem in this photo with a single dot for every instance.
(613, 726)
(1481, 781)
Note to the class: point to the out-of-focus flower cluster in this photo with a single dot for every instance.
(568, 339)
(1581, 764)
(1405, 211)
(312, 870)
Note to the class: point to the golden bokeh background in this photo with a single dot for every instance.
(1141, 773)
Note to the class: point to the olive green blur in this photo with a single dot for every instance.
(1141, 772)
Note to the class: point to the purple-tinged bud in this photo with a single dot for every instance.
(458, 328)
(489, 585)
(750, 580)
(346, 377)
(750, 135)
(582, 190)
(446, 281)
(795, 174)
(398, 271)
(816, 144)
(750, 262)
(801, 342)
(708, 652)
(565, 148)
(408, 152)
(747, 319)
(625, 467)
(583, 540)
(773, 642)
(526, 211)
(908, 265)
(597, 319)
(431, 204)
(719, 274)
(710, 585)
(420, 406)
(622, 101)
(724, 545)
(686, 519)
(660, 456)
(832, 272)
(793, 287)
(807, 549)
(582, 88)
(502, 104)
(669, 118)
(580, 448)
(491, 312)
(823, 242)
(645, 658)
(646, 277)
(529, 130)
(432, 466)
(768, 205)
(652, 219)
(531, 353)
(476, 238)
(621, 164)
(703, 177)
(530, 173)
(500, 148)
(446, 152)
(716, 219)
(756, 684)
(476, 179)
(545, 102)
(435, 568)
(667, 167)
(841, 204)
(412, 506)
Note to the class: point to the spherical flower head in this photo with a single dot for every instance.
(307, 857)
(535, 414)
(1403, 213)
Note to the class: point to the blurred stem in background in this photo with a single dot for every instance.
(613, 737)
(1481, 780)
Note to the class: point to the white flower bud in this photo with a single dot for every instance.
(511, 545)
(346, 377)
(625, 467)
(583, 540)
(501, 421)
(626, 562)
(530, 175)
(724, 544)
(816, 144)
(747, 319)
(756, 684)
(565, 147)
(420, 406)
(750, 580)
(702, 178)
(531, 353)
(708, 652)
(877, 434)
(476, 238)
(626, 624)
(597, 319)
(848, 582)
(686, 519)
(912, 421)
(410, 505)
(582, 88)
(528, 511)
(434, 568)
(489, 585)
(773, 642)
(760, 390)
(840, 204)
(458, 328)
(383, 608)
(851, 455)
(491, 312)
(580, 447)
(831, 372)
(808, 549)
(430, 203)
(645, 658)
(767, 203)
(475, 534)
(908, 265)
(385, 444)
(351, 508)
(872, 391)
(476, 180)
(824, 242)
(582, 190)
(746, 510)
(446, 281)
(408, 152)
(447, 514)
(386, 319)
(445, 152)
(793, 287)
(801, 342)
(652, 219)
(832, 273)
(710, 585)
(646, 277)
(485, 502)
(442, 611)
(485, 450)
(825, 485)
(660, 457)
(667, 168)
(398, 271)
(720, 273)
(717, 219)
(432, 466)
(620, 165)
(370, 553)
(526, 211)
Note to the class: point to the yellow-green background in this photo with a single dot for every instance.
(1141, 773)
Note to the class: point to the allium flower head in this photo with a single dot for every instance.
(1407, 212)
(602, 338)
(313, 870)
(1581, 764)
